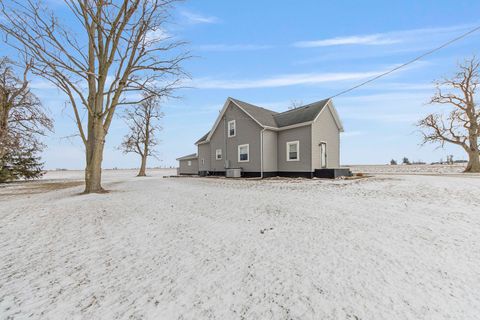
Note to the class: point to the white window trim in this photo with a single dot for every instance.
(289, 143)
(248, 152)
(234, 128)
(203, 161)
(217, 153)
(189, 163)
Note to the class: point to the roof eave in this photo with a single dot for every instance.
(187, 158)
(292, 126)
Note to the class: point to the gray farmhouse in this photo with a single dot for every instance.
(302, 142)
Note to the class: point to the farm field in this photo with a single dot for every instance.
(396, 245)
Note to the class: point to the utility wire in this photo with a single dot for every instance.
(407, 63)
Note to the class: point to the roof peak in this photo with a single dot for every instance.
(253, 105)
(323, 101)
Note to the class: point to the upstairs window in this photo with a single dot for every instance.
(232, 128)
(189, 163)
(218, 154)
(293, 148)
(243, 153)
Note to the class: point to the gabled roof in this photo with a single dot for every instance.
(188, 157)
(264, 116)
(277, 121)
(299, 115)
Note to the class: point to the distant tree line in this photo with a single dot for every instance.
(449, 160)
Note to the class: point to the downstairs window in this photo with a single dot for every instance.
(293, 148)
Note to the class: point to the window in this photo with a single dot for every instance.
(189, 163)
(203, 161)
(218, 154)
(243, 153)
(232, 128)
(293, 148)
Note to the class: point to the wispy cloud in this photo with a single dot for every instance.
(283, 80)
(156, 35)
(386, 38)
(41, 84)
(197, 18)
(374, 39)
(232, 47)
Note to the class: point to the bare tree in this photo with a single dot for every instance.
(295, 104)
(22, 116)
(143, 123)
(22, 120)
(121, 49)
(462, 124)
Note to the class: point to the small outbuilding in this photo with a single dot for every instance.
(188, 165)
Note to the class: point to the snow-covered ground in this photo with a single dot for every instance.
(386, 247)
(410, 169)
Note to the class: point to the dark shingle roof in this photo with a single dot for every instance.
(203, 138)
(188, 157)
(274, 119)
(300, 115)
(262, 115)
(270, 118)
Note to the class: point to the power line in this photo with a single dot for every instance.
(407, 63)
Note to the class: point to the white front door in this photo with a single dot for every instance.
(323, 155)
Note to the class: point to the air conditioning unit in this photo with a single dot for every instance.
(234, 173)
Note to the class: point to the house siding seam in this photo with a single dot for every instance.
(269, 153)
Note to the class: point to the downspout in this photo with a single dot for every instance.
(225, 133)
(261, 153)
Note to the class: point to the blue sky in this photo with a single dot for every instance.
(271, 53)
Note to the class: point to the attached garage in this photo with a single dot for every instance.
(188, 165)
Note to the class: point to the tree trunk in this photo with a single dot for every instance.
(473, 152)
(144, 154)
(473, 162)
(93, 169)
(143, 167)
(3, 125)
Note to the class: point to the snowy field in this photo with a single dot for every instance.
(386, 247)
(409, 169)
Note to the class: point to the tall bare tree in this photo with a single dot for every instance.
(22, 116)
(143, 123)
(121, 48)
(462, 124)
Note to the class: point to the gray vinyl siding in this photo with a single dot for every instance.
(204, 153)
(303, 135)
(247, 132)
(270, 151)
(217, 141)
(326, 130)
(184, 168)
